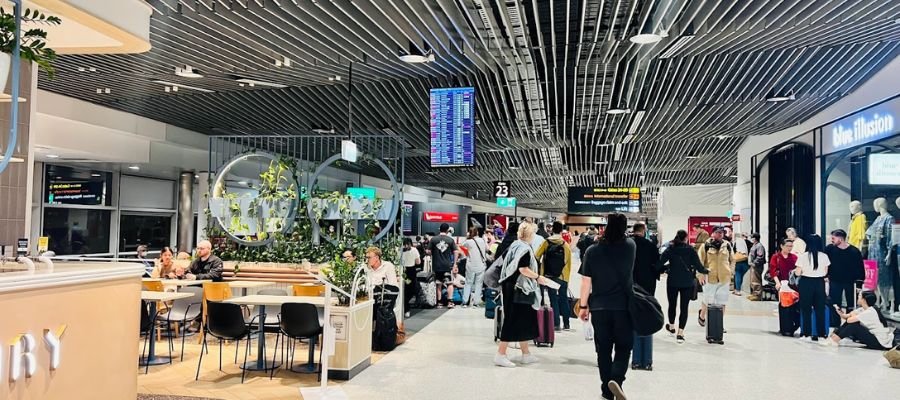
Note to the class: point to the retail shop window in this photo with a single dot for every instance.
(77, 231)
(154, 231)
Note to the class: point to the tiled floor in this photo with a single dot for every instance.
(451, 359)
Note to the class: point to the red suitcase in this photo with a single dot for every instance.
(546, 324)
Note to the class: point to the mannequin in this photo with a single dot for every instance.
(857, 225)
(894, 264)
(879, 235)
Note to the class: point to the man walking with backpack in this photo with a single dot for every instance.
(555, 258)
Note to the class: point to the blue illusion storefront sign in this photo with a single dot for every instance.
(866, 126)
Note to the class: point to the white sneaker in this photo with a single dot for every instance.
(806, 339)
(846, 341)
(616, 390)
(465, 306)
(501, 361)
(526, 359)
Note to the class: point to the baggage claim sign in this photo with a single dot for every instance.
(598, 200)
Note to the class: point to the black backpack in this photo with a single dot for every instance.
(384, 337)
(554, 260)
(584, 242)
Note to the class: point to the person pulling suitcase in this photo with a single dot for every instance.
(717, 256)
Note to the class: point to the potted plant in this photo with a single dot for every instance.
(341, 273)
(33, 44)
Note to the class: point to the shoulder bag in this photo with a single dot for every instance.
(646, 313)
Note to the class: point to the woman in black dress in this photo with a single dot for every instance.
(519, 282)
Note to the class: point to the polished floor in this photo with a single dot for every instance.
(452, 359)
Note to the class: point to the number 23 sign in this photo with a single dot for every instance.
(501, 189)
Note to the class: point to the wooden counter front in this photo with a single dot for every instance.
(98, 352)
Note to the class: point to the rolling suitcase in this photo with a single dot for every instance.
(715, 324)
(490, 302)
(815, 330)
(642, 354)
(498, 317)
(546, 324)
(788, 320)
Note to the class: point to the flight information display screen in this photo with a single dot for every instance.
(453, 127)
(598, 200)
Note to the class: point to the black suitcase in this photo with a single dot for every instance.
(788, 320)
(715, 324)
(498, 321)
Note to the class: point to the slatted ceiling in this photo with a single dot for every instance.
(546, 73)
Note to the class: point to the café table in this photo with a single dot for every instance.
(244, 285)
(262, 301)
(177, 282)
(153, 298)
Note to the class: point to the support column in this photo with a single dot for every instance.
(185, 237)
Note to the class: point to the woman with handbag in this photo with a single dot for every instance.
(812, 268)
(606, 285)
(519, 287)
(682, 264)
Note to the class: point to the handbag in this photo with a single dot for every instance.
(893, 357)
(740, 257)
(698, 288)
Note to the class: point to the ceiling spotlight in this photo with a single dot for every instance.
(416, 55)
(692, 157)
(243, 183)
(106, 90)
(722, 137)
(777, 98)
(95, 175)
(175, 86)
(134, 168)
(514, 168)
(80, 69)
(187, 72)
(168, 89)
(92, 69)
(283, 62)
(52, 156)
(601, 162)
(334, 78)
(734, 176)
(665, 180)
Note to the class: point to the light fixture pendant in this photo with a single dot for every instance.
(618, 110)
(187, 72)
(778, 98)
(415, 55)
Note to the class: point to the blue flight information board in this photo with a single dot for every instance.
(453, 127)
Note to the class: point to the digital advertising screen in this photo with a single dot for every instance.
(453, 127)
(599, 200)
(76, 192)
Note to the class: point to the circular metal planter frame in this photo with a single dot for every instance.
(289, 219)
(394, 201)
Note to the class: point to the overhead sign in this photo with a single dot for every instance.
(866, 126)
(596, 200)
(884, 169)
(431, 216)
(506, 202)
(501, 189)
(361, 192)
(76, 192)
(736, 217)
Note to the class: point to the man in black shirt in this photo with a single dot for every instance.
(206, 265)
(646, 256)
(444, 255)
(846, 268)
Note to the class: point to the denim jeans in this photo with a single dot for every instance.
(559, 300)
(740, 269)
(474, 278)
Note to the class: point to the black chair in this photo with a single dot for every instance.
(184, 311)
(301, 321)
(225, 321)
(147, 329)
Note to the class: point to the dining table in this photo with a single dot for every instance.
(154, 297)
(261, 301)
(177, 283)
(244, 285)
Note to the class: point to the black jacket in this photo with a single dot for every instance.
(682, 263)
(646, 272)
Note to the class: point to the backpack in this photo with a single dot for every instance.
(760, 259)
(584, 242)
(554, 260)
(384, 336)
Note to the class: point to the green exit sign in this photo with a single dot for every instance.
(506, 202)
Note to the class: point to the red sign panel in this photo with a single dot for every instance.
(709, 224)
(430, 216)
(736, 217)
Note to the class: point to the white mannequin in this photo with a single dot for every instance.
(856, 206)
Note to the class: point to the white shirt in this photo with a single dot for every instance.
(386, 273)
(408, 258)
(799, 247)
(805, 262)
(476, 248)
(869, 318)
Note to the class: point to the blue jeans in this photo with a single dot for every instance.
(559, 300)
(740, 269)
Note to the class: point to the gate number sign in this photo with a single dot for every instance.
(501, 189)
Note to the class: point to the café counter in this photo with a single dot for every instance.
(70, 333)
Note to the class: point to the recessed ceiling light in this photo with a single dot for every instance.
(134, 168)
(645, 38)
(196, 176)
(243, 183)
(253, 82)
(495, 150)
(514, 168)
(175, 87)
(777, 98)
(618, 111)
(95, 175)
(665, 180)
(52, 156)
(692, 157)
(187, 72)
(601, 162)
(734, 176)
